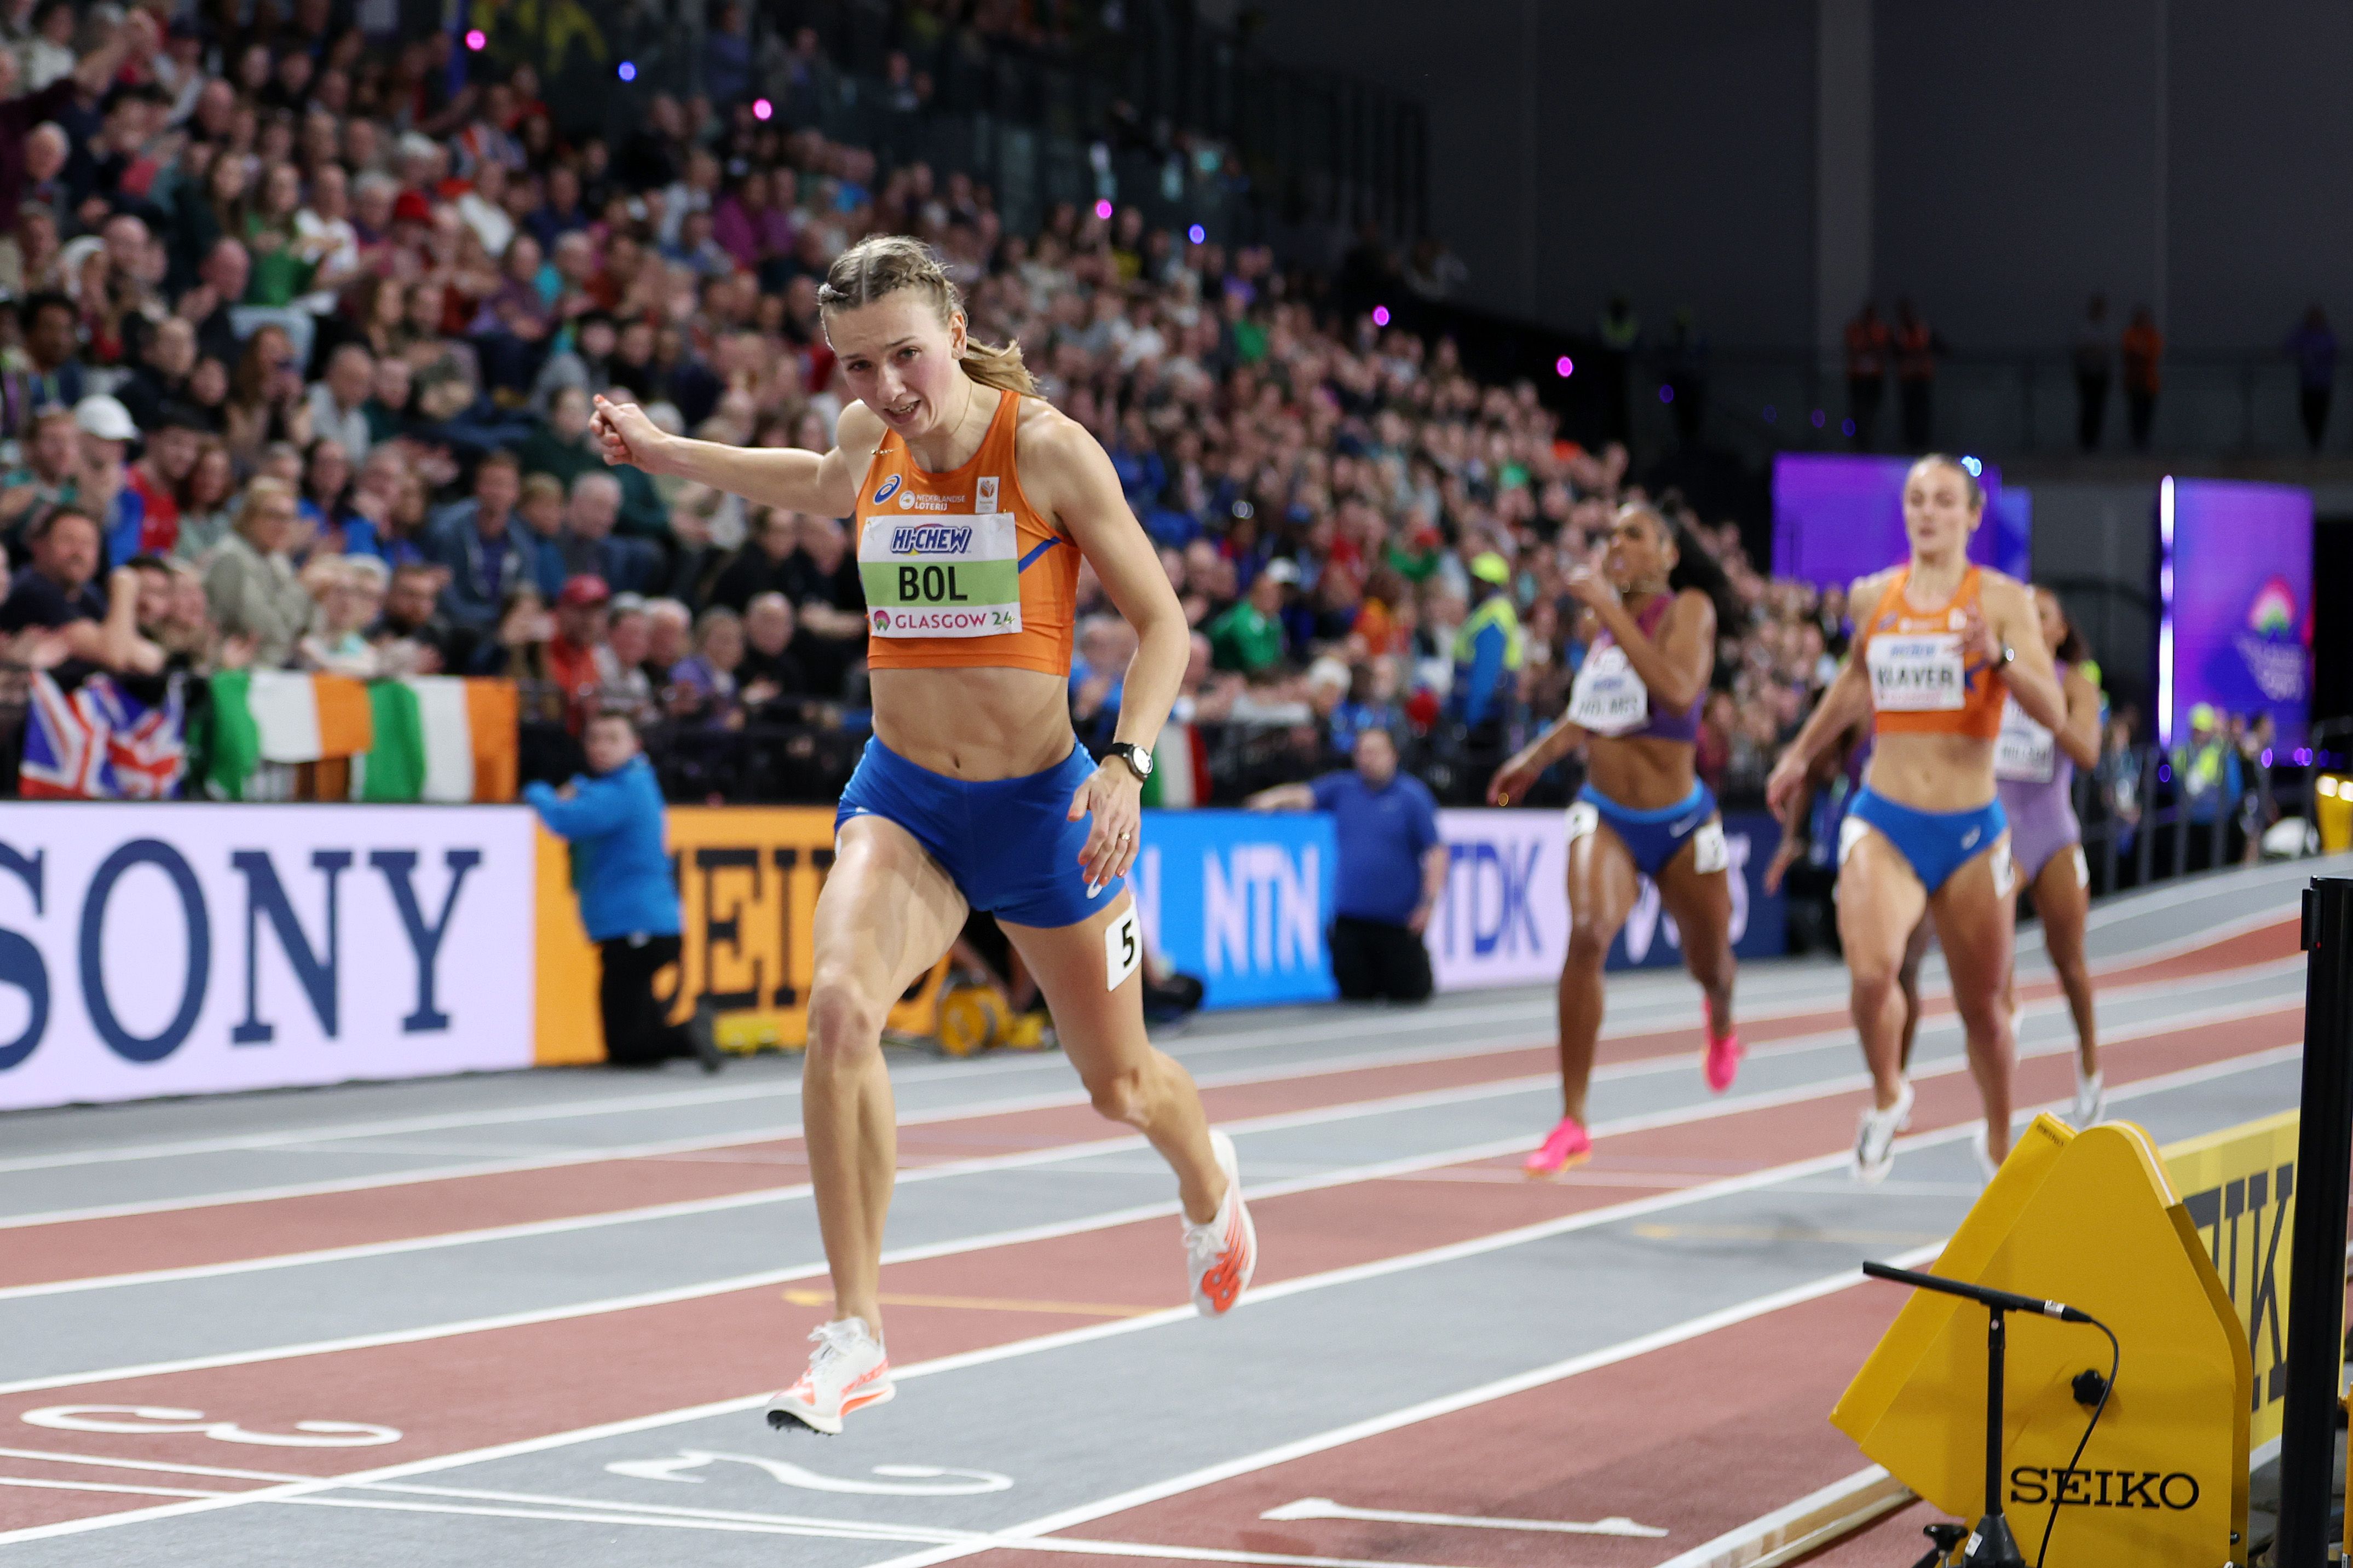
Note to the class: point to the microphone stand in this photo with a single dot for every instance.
(1991, 1545)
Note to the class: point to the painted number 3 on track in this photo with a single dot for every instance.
(155, 1420)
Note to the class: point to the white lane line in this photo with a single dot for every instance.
(2182, 1078)
(156, 1467)
(1325, 1508)
(124, 1487)
(1067, 1152)
(1064, 1099)
(1354, 1027)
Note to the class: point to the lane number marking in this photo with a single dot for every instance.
(900, 1481)
(156, 1420)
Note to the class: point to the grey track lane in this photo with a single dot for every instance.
(1298, 1364)
(1063, 1424)
(78, 1332)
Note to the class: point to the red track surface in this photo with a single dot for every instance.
(1750, 1399)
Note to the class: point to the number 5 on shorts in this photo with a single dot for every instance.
(1122, 948)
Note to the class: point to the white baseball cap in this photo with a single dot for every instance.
(105, 417)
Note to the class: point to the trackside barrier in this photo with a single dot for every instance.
(2089, 1219)
(2235, 1188)
(190, 949)
(2189, 1255)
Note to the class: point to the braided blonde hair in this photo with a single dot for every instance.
(889, 262)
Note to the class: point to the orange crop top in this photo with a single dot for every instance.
(1922, 681)
(960, 572)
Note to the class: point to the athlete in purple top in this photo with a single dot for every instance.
(1642, 811)
(2034, 769)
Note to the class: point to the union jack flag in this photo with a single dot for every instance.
(98, 742)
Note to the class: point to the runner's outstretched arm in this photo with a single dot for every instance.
(784, 477)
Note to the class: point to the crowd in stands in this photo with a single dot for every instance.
(305, 335)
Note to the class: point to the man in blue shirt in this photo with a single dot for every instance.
(612, 815)
(1392, 866)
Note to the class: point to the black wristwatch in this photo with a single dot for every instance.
(1138, 760)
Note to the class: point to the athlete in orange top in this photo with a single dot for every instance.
(975, 501)
(1939, 645)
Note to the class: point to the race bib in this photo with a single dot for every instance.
(1609, 698)
(942, 576)
(2025, 752)
(1918, 672)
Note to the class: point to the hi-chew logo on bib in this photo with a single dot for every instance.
(1918, 673)
(944, 576)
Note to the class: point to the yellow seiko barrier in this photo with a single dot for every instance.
(2181, 1254)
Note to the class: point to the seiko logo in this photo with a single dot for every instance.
(929, 539)
(2177, 1491)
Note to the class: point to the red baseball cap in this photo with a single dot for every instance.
(412, 207)
(584, 590)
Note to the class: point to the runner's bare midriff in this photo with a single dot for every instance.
(975, 724)
(1932, 772)
(1641, 772)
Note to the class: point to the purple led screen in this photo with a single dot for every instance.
(1839, 518)
(2237, 632)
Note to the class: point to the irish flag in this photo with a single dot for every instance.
(439, 737)
(434, 738)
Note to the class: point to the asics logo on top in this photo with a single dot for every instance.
(1969, 839)
(890, 487)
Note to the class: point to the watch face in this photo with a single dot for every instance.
(1139, 759)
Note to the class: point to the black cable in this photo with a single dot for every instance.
(2116, 1363)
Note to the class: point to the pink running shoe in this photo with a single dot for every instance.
(1723, 1054)
(1568, 1145)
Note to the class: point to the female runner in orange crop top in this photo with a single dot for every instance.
(974, 500)
(1937, 642)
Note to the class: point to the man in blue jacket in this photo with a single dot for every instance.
(612, 816)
